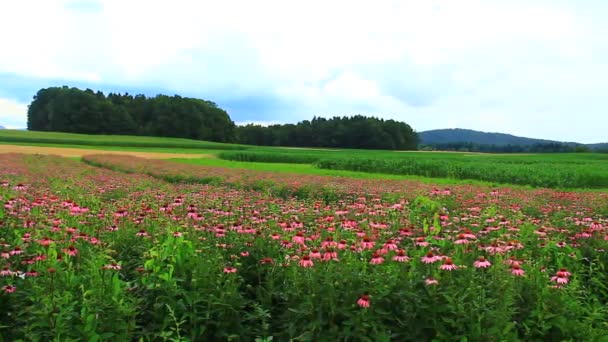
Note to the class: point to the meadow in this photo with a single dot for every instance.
(121, 248)
(566, 171)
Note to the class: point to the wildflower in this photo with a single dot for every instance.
(229, 269)
(430, 258)
(9, 288)
(6, 272)
(401, 256)
(561, 277)
(141, 233)
(299, 238)
(482, 263)
(431, 281)
(112, 266)
(330, 254)
(306, 262)
(376, 259)
(71, 251)
(315, 254)
(390, 245)
(448, 265)
(363, 301)
(266, 261)
(178, 234)
(516, 269)
(367, 243)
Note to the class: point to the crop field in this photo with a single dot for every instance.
(565, 171)
(122, 248)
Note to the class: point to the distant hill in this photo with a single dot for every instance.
(455, 135)
(2, 127)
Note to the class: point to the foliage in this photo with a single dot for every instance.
(92, 254)
(63, 109)
(540, 173)
(344, 132)
(270, 157)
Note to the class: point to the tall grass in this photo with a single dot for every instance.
(269, 157)
(15, 136)
(534, 173)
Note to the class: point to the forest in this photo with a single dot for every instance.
(343, 132)
(71, 110)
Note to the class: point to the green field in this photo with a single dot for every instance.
(560, 171)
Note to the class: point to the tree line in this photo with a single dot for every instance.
(64, 109)
(553, 147)
(344, 132)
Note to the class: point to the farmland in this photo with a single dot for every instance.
(121, 248)
(559, 170)
(263, 243)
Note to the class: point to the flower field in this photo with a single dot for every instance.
(130, 249)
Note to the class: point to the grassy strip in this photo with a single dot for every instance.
(14, 136)
(538, 174)
(269, 157)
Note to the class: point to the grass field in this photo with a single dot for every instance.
(280, 244)
(560, 171)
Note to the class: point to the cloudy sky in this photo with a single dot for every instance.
(530, 68)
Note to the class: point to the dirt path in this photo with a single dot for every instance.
(79, 152)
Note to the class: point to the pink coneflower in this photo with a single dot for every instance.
(9, 288)
(329, 242)
(390, 245)
(329, 255)
(16, 251)
(482, 263)
(431, 281)
(401, 256)
(367, 243)
(71, 251)
(462, 240)
(45, 241)
(315, 254)
(306, 262)
(563, 273)
(19, 187)
(421, 242)
(141, 233)
(264, 261)
(376, 259)
(6, 272)
(448, 265)
(363, 301)
(120, 213)
(430, 258)
(299, 238)
(112, 266)
(516, 269)
(245, 254)
(178, 234)
(560, 280)
(229, 269)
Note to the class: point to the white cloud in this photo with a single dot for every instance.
(12, 114)
(433, 63)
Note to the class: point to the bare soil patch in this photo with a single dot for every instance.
(79, 152)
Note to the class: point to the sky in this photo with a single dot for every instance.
(535, 68)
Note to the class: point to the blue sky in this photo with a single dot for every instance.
(530, 68)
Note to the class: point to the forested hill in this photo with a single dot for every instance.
(344, 132)
(457, 135)
(71, 110)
